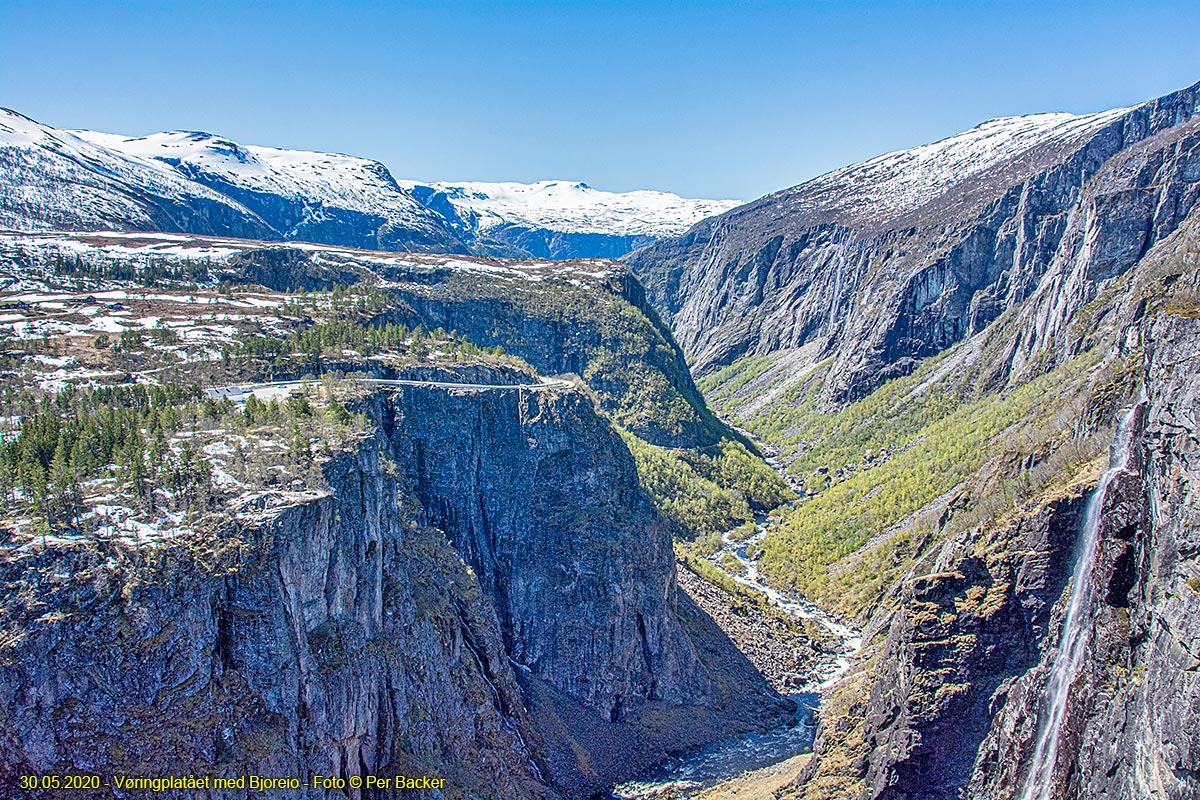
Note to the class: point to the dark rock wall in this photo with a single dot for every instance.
(331, 636)
(955, 690)
(1132, 717)
(542, 500)
(484, 594)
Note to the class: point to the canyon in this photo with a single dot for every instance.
(905, 453)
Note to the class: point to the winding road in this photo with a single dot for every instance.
(241, 391)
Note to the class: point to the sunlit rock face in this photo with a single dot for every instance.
(483, 592)
(881, 264)
(954, 701)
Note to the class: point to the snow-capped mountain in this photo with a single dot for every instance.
(194, 182)
(992, 152)
(881, 264)
(317, 197)
(555, 219)
(53, 179)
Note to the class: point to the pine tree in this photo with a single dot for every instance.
(60, 508)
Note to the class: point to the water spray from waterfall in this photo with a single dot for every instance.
(1075, 630)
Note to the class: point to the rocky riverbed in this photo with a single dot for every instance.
(800, 648)
(775, 644)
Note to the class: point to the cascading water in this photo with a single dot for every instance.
(688, 774)
(1074, 639)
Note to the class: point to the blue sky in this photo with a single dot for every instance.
(701, 98)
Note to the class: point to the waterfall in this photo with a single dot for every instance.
(1074, 637)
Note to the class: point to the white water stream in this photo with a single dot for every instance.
(731, 757)
(1075, 631)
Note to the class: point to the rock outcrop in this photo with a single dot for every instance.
(483, 593)
(952, 703)
(1130, 726)
(328, 635)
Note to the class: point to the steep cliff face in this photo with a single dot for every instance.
(547, 510)
(882, 264)
(1129, 728)
(953, 699)
(542, 500)
(327, 634)
(969, 618)
(482, 592)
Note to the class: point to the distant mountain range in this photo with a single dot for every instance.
(560, 219)
(200, 183)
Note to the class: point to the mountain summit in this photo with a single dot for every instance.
(884, 263)
(202, 183)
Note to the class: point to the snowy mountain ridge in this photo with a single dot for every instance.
(201, 183)
(902, 181)
(53, 178)
(328, 179)
(571, 207)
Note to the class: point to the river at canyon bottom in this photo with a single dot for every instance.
(685, 775)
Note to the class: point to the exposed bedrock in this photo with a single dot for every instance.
(950, 704)
(483, 593)
(880, 283)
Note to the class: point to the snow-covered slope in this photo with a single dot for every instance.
(881, 264)
(193, 182)
(321, 197)
(53, 179)
(997, 150)
(28, 260)
(575, 207)
(561, 219)
(199, 183)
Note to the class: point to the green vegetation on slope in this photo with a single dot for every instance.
(307, 348)
(600, 329)
(702, 494)
(918, 443)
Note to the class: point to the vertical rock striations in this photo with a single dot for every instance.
(483, 593)
(949, 705)
(1131, 719)
(325, 635)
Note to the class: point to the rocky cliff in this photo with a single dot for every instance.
(1130, 721)
(327, 634)
(882, 264)
(951, 700)
(601, 329)
(938, 342)
(481, 591)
